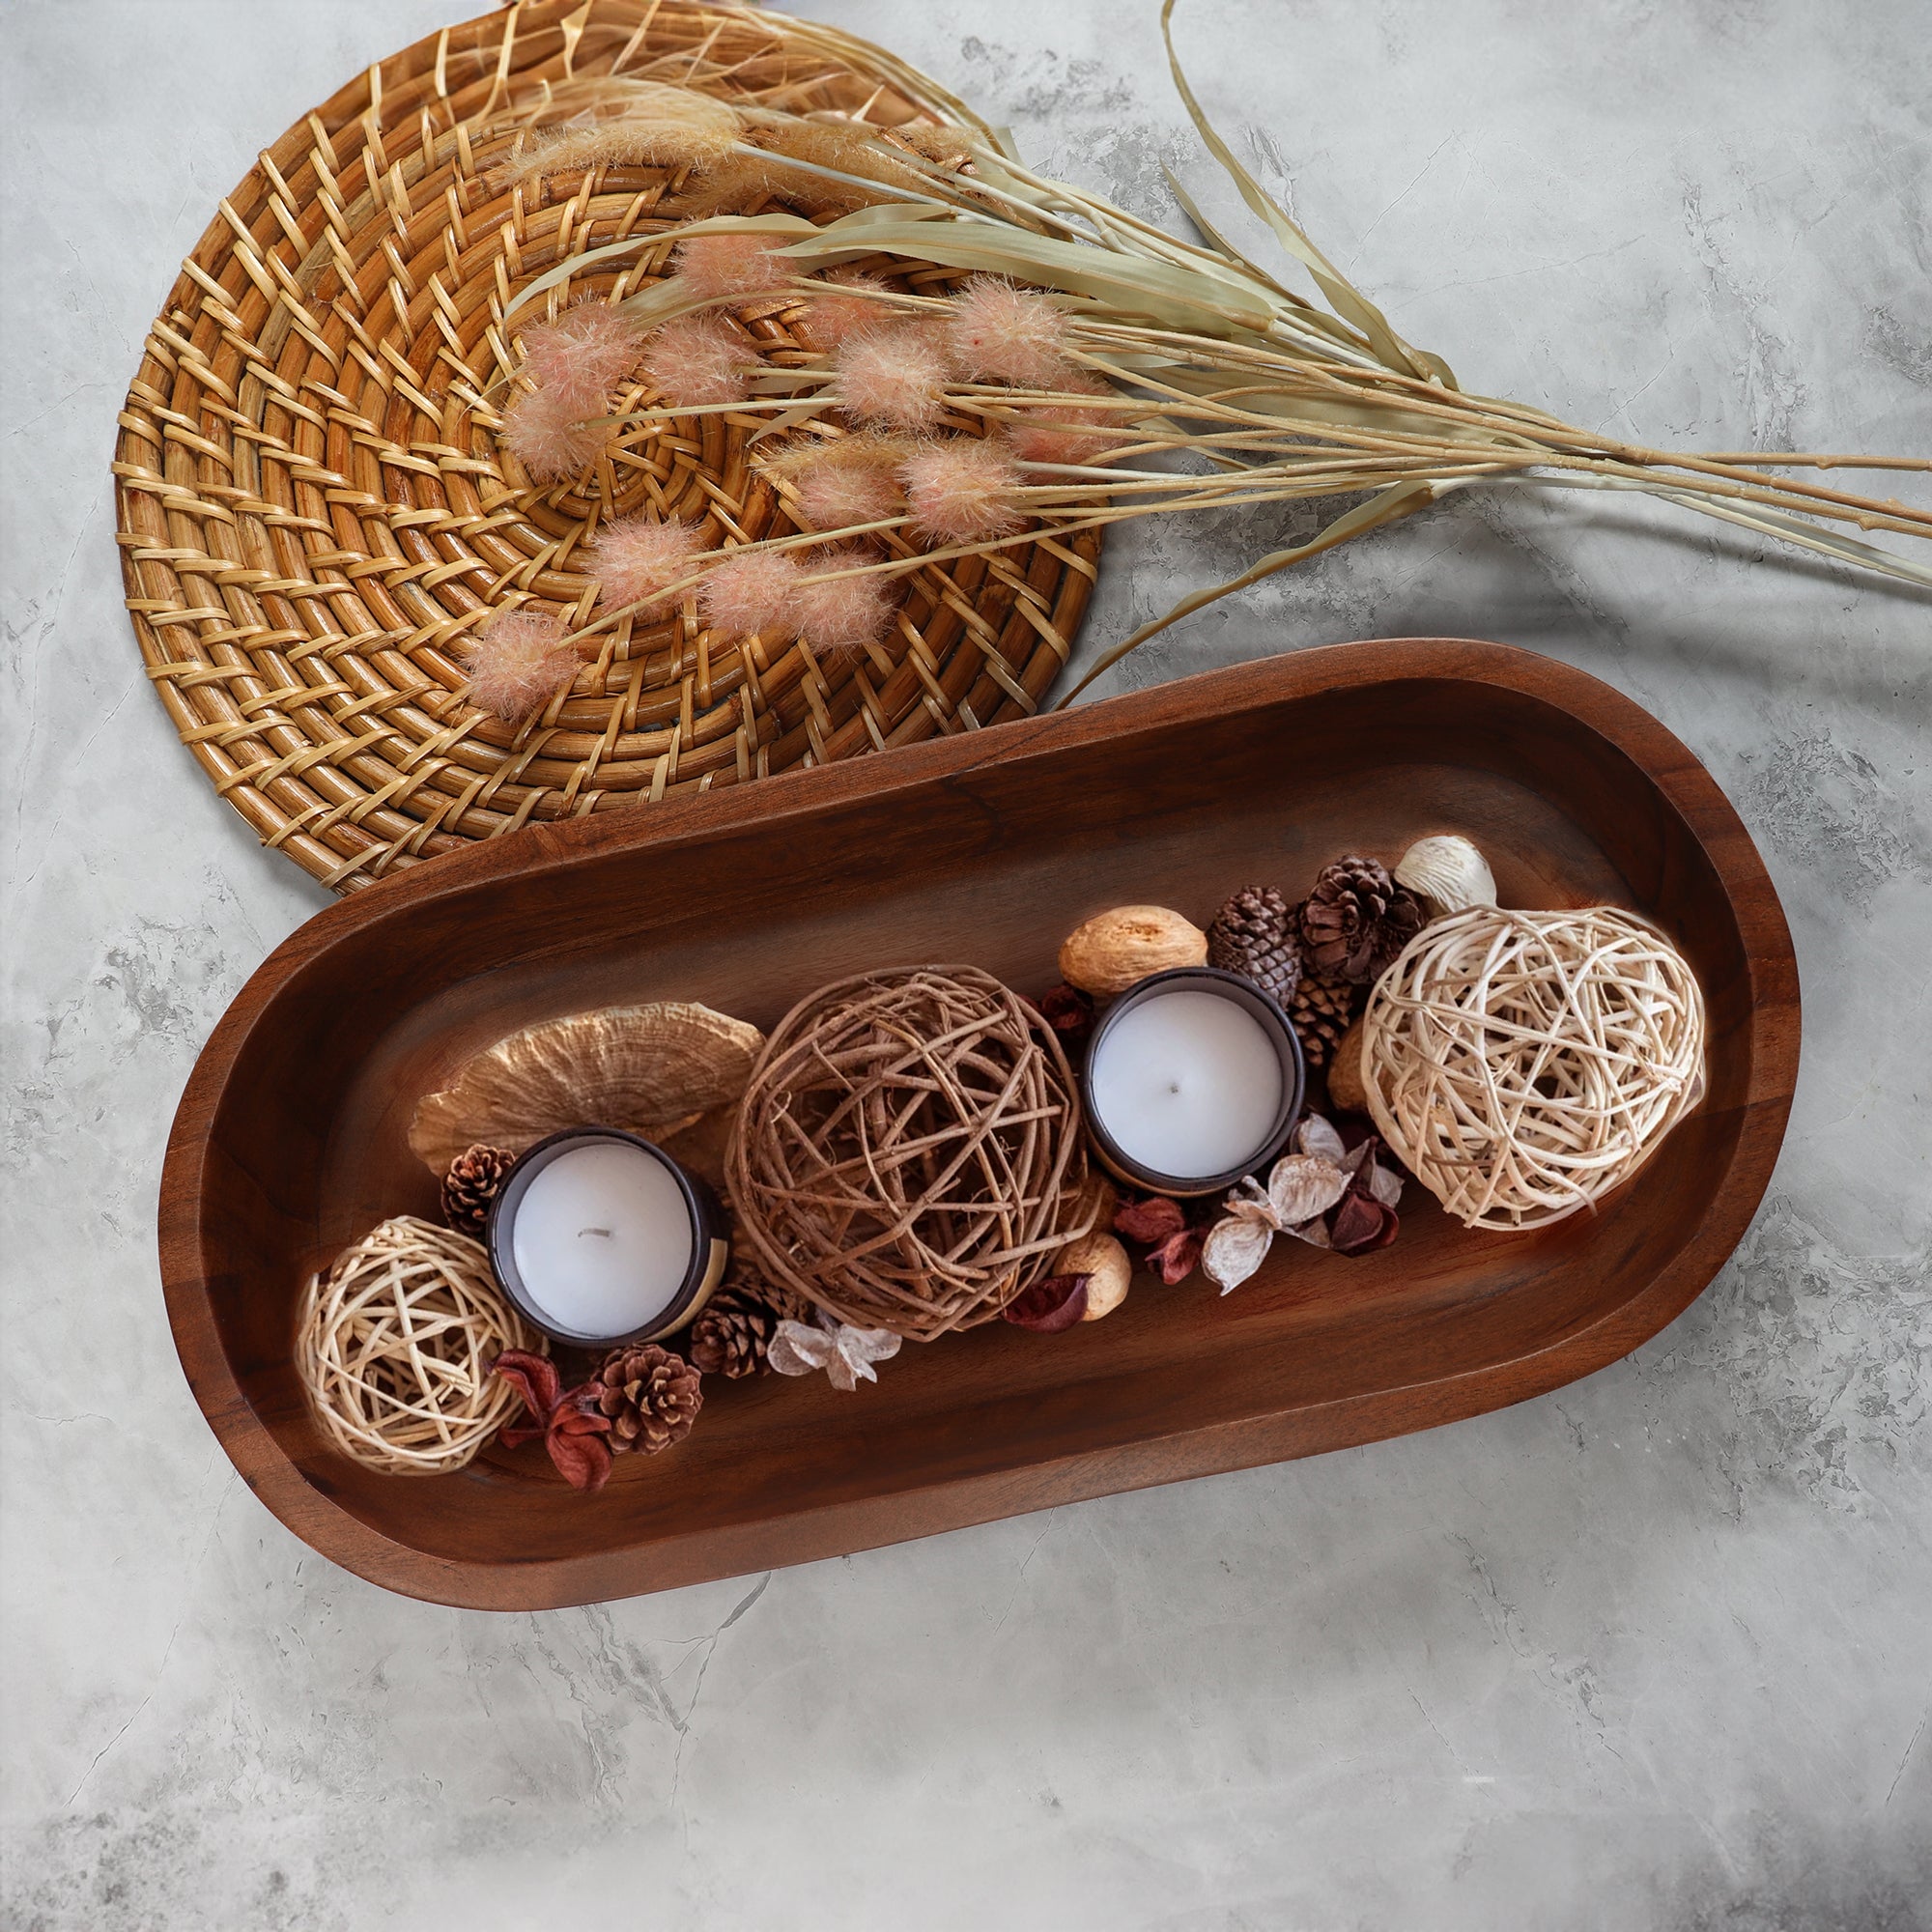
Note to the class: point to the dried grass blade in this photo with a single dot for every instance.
(1385, 506)
(1343, 298)
(1125, 284)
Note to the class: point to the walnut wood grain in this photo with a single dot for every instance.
(984, 849)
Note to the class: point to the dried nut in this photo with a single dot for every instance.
(1121, 948)
(1347, 1086)
(1449, 872)
(1104, 1262)
(1092, 1204)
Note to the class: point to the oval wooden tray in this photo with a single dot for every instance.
(984, 848)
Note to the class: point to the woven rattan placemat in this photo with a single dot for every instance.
(314, 512)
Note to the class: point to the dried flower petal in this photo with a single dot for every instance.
(844, 1353)
(572, 1429)
(535, 1379)
(798, 1348)
(1362, 1223)
(1175, 1259)
(855, 1351)
(1050, 1307)
(1317, 1136)
(1068, 1012)
(1152, 1220)
(578, 1448)
(1234, 1248)
(1302, 1187)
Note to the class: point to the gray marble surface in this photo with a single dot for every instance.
(1650, 1652)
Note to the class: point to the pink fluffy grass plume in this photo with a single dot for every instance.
(894, 377)
(837, 494)
(999, 333)
(754, 592)
(554, 432)
(1055, 440)
(518, 662)
(585, 353)
(835, 316)
(697, 360)
(843, 613)
(714, 266)
(962, 492)
(637, 559)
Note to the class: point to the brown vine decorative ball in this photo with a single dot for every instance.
(908, 1154)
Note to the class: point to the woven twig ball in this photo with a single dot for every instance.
(394, 1344)
(908, 1153)
(1523, 1064)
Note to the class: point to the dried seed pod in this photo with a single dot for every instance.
(1448, 871)
(1303, 1185)
(1345, 1086)
(1108, 1269)
(649, 1068)
(1120, 948)
(1234, 1250)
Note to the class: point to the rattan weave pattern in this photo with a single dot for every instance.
(314, 511)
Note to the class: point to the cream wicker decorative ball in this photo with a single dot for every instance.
(1521, 1064)
(395, 1344)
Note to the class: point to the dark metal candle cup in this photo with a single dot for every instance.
(1280, 1031)
(710, 1239)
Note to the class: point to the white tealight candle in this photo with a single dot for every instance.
(602, 1239)
(1187, 1084)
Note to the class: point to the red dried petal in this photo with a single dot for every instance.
(1154, 1220)
(1068, 1012)
(535, 1379)
(1361, 1224)
(1177, 1258)
(583, 1461)
(1050, 1307)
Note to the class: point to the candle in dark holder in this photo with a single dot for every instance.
(600, 1238)
(1193, 1080)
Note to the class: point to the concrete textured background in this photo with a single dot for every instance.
(1650, 1652)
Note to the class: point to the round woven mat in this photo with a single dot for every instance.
(314, 511)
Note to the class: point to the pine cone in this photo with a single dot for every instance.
(1253, 935)
(1357, 919)
(651, 1396)
(1323, 1008)
(731, 1335)
(470, 1185)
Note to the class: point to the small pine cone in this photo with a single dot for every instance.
(651, 1396)
(1357, 920)
(470, 1185)
(731, 1335)
(1323, 1010)
(1254, 935)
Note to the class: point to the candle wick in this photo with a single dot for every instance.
(605, 1232)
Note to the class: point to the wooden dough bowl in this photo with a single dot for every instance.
(986, 849)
